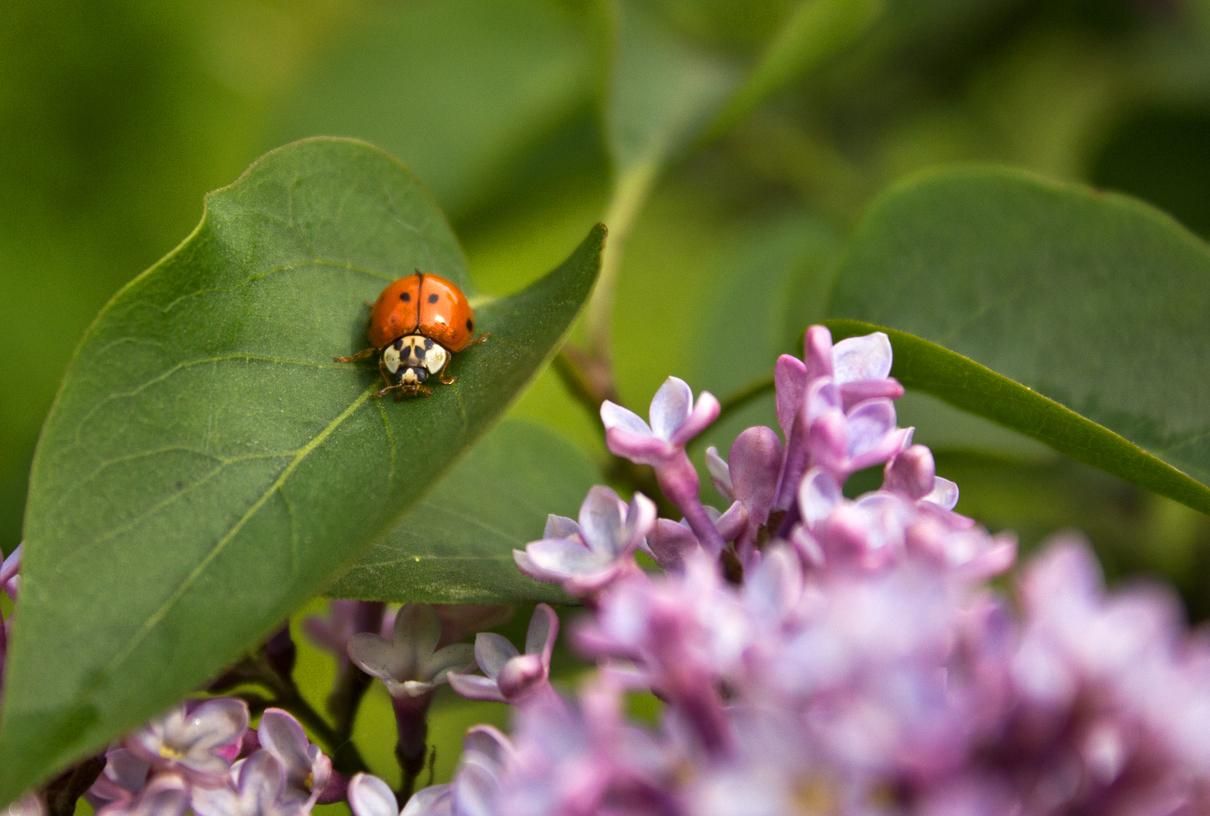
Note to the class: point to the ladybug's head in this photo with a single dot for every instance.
(410, 360)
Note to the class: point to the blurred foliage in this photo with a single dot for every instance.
(118, 117)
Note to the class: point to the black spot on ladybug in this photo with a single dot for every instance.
(418, 353)
(428, 343)
(470, 324)
(405, 296)
(398, 344)
(433, 298)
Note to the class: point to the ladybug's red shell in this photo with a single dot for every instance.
(425, 304)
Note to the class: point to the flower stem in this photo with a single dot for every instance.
(411, 721)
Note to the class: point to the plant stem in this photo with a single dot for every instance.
(630, 192)
(411, 720)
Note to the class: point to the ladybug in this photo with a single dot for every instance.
(416, 326)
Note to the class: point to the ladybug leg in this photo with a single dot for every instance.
(444, 378)
(382, 392)
(364, 354)
(479, 340)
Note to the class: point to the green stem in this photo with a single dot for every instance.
(630, 193)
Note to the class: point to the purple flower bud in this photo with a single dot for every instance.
(511, 676)
(192, 741)
(675, 419)
(410, 664)
(584, 558)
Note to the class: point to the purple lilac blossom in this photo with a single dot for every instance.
(586, 556)
(511, 675)
(307, 770)
(196, 741)
(258, 788)
(409, 663)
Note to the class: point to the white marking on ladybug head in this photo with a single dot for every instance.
(390, 359)
(435, 358)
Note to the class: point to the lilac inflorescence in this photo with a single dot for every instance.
(815, 651)
(203, 758)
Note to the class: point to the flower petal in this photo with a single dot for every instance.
(720, 472)
(642, 449)
(281, 735)
(818, 496)
(418, 630)
(370, 796)
(862, 358)
(435, 800)
(640, 519)
(455, 657)
(601, 521)
(492, 651)
(705, 411)
(216, 722)
(560, 527)
(790, 380)
(475, 687)
(615, 416)
(542, 633)
(378, 656)
(944, 493)
(670, 407)
(556, 559)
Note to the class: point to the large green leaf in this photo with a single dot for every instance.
(207, 467)
(1074, 316)
(456, 545)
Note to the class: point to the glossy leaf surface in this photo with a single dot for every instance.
(456, 545)
(207, 466)
(1082, 316)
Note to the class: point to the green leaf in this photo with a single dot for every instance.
(662, 89)
(1073, 316)
(459, 89)
(206, 466)
(456, 545)
(813, 32)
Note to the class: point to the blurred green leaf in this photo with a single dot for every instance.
(456, 545)
(814, 31)
(662, 89)
(458, 89)
(1076, 317)
(207, 467)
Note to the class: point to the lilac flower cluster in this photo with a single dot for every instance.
(816, 652)
(203, 758)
